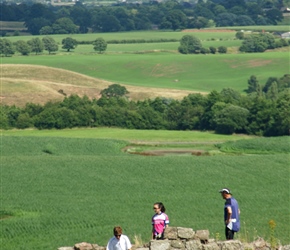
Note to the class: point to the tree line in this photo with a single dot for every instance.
(171, 14)
(188, 44)
(37, 45)
(265, 110)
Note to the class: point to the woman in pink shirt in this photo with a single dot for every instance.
(160, 221)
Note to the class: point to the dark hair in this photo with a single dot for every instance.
(161, 206)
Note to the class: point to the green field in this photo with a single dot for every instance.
(58, 189)
(147, 35)
(160, 65)
(169, 70)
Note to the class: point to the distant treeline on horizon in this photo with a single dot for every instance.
(170, 15)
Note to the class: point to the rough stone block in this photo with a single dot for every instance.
(170, 233)
(211, 246)
(193, 245)
(203, 235)
(159, 245)
(185, 233)
(86, 246)
(287, 247)
(261, 244)
(178, 244)
(231, 245)
(65, 248)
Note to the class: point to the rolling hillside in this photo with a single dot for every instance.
(39, 84)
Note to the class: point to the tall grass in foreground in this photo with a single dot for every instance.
(84, 187)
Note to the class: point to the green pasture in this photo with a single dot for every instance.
(147, 35)
(131, 135)
(150, 47)
(168, 70)
(58, 191)
(281, 28)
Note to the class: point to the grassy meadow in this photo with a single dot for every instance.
(168, 70)
(64, 187)
(159, 65)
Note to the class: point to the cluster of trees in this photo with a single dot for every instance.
(264, 111)
(192, 45)
(171, 14)
(261, 42)
(37, 45)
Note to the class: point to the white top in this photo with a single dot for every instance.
(122, 244)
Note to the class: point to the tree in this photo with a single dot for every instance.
(46, 30)
(6, 47)
(212, 50)
(49, 44)
(34, 25)
(23, 47)
(225, 19)
(231, 119)
(36, 45)
(253, 85)
(222, 49)
(274, 15)
(64, 25)
(258, 43)
(100, 45)
(189, 45)
(69, 43)
(176, 18)
(240, 35)
(114, 90)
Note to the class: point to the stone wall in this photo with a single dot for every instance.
(180, 238)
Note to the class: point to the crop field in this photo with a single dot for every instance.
(58, 189)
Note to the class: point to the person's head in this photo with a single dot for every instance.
(117, 232)
(158, 207)
(225, 193)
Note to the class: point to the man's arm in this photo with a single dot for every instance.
(229, 215)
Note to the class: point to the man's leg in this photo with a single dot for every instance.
(229, 234)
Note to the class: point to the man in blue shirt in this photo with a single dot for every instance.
(231, 214)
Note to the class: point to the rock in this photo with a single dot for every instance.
(231, 245)
(287, 247)
(87, 246)
(261, 244)
(159, 245)
(170, 233)
(202, 235)
(65, 248)
(185, 233)
(193, 245)
(177, 244)
(211, 246)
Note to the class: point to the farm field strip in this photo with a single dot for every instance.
(128, 135)
(61, 190)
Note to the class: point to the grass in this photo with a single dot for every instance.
(128, 135)
(258, 146)
(172, 71)
(85, 186)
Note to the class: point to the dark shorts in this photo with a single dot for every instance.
(229, 234)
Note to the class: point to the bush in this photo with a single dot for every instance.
(222, 49)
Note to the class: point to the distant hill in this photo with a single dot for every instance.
(39, 84)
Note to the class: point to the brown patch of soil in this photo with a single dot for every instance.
(169, 152)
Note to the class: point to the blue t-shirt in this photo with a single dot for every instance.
(231, 202)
